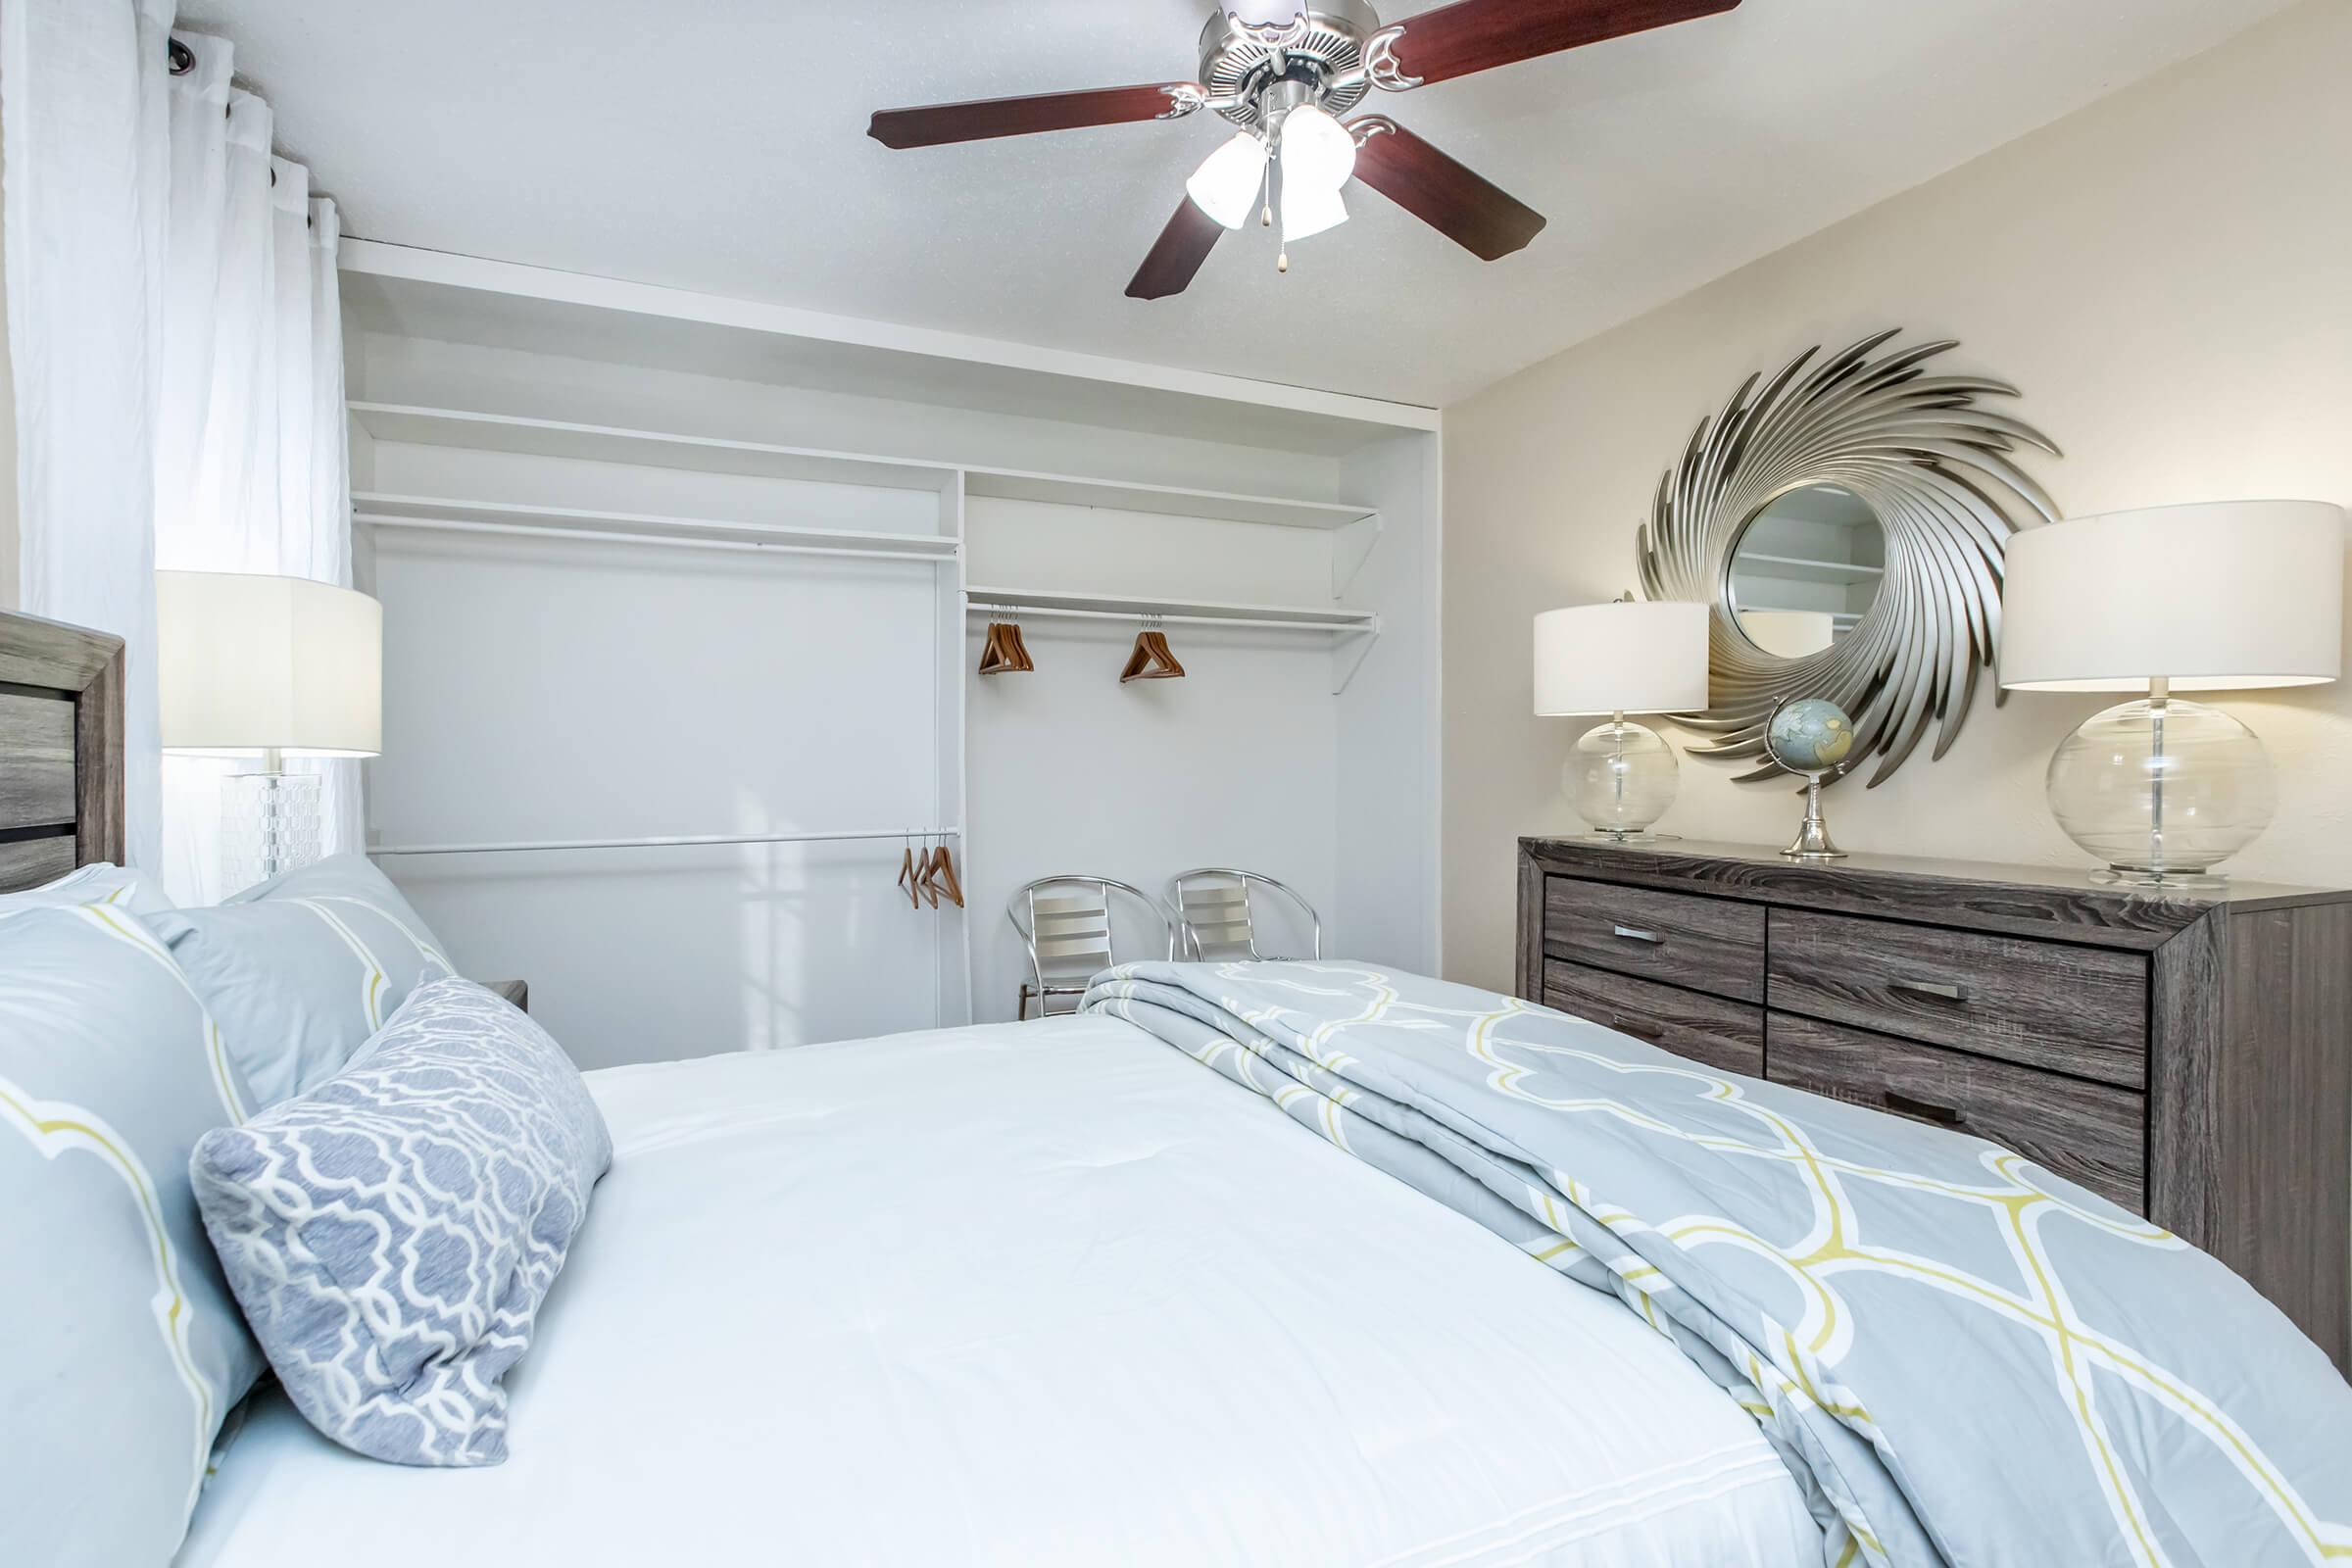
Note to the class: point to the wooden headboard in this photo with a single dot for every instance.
(61, 749)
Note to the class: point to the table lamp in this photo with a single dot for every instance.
(268, 668)
(1620, 659)
(2224, 596)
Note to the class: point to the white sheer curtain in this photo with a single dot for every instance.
(82, 118)
(251, 463)
(176, 329)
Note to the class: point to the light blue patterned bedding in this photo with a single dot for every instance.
(121, 1351)
(302, 969)
(1962, 1358)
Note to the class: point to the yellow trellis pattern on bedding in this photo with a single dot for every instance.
(1803, 1251)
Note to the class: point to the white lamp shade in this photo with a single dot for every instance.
(1788, 633)
(1622, 658)
(2223, 596)
(1226, 184)
(247, 664)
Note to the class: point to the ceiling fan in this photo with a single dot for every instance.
(1284, 71)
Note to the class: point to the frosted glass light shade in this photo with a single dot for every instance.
(1226, 184)
(1788, 633)
(248, 663)
(1317, 151)
(1622, 658)
(1309, 210)
(2224, 596)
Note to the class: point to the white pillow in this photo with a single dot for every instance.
(100, 882)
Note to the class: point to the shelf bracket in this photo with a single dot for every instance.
(1349, 650)
(1350, 547)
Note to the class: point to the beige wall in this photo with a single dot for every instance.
(2168, 277)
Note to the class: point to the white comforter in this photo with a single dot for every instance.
(1034, 1293)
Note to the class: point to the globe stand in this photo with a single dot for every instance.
(1812, 842)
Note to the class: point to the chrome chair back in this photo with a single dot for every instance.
(1214, 915)
(1065, 923)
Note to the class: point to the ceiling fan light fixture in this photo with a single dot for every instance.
(1308, 209)
(1317, 151)
(1226, 184)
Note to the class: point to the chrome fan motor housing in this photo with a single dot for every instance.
(1250, 44)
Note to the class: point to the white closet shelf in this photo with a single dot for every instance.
(1175, 500)
(1801, 568)
(413, 424)
(608, 443)
(1126, 607)
(671, 841)
(384, 509)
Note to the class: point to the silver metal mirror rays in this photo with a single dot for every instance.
(1932, 463)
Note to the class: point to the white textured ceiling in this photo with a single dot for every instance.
(720, 145)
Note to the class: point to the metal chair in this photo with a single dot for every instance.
(1213, 913)
(1067, 932)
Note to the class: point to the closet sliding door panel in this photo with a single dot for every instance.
(562, 690)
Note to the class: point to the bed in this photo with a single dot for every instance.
(1246, 1263)
(1065, 1319)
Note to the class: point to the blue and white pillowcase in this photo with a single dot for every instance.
(301, 970)
(121, 1349)
(392, 1233)
(100, 882)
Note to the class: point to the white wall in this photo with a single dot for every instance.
(2164, 275)
(540, 691)
(11, 594)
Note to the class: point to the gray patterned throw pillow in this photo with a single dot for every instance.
(391, 1233)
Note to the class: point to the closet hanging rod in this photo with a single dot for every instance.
(671, 841)
(1014, 608)
(678, 542)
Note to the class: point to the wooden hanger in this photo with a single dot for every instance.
(926, 870)
(907, 876)
(1152, 659)
(1005, 653)
(942, 866)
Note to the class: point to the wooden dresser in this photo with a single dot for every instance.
(2188, 1056)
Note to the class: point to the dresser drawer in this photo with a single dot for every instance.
(1728, 1035)
(2073, 1010)
(1680, 938)
(2089, 1133)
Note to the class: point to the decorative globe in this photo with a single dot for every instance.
(2217, 787)
(1809, 735)
(1621, 777)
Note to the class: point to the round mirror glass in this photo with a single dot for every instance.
(1806, 568)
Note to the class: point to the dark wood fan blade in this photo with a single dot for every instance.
(1479, 34)
(1473, 213)
(1176, 256)
(982, 118)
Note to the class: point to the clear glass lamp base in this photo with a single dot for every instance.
(1621, 777)
(272, 822)
(2162, 789)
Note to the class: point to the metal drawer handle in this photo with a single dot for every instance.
(1930, 987)
(1903, 1105)
(1631, 934)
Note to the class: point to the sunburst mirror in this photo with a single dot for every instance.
(1847, 521)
